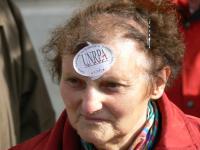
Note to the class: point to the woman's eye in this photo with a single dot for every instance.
(111, 86)
(75, 83)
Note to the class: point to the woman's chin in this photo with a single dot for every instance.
(93, 139)
(97, 134)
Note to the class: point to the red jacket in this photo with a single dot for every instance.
(178, 132)
(186, 90)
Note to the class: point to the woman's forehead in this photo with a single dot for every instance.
(128, 59)
(129, 51)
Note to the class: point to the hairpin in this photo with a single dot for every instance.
(149, 33)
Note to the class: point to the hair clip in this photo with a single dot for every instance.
(89, 43)
(149, 33)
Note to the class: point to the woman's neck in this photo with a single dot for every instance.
(124, 142)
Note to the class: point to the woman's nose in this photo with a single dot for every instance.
(92, 101)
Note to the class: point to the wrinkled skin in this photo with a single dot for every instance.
(109, 111)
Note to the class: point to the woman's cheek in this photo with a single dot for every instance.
(68, 95)
(65, 93)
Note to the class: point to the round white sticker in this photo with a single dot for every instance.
(93, 60)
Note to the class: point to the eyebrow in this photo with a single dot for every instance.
(115, 79)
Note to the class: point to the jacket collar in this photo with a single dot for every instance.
(176, 129)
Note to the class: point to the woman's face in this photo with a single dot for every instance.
(113, 107)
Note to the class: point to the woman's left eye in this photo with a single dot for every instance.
(111, 86)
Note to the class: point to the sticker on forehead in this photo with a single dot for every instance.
(93, 60)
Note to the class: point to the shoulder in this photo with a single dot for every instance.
(34, 143)
(193, 124)
(53, 139)
(177, 127)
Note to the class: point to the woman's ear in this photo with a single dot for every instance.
(160, 83)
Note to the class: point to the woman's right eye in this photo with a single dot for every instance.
(75, 83)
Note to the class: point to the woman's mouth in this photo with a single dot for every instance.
(94, 119)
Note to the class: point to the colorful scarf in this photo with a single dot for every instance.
(146, 136)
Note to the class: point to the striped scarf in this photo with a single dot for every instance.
(146, 136)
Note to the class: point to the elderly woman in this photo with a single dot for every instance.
(113, 61)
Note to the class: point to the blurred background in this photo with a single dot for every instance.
(41, 17)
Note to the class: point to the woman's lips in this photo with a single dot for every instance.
(94, 119)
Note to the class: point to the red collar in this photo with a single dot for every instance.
(176, 129)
